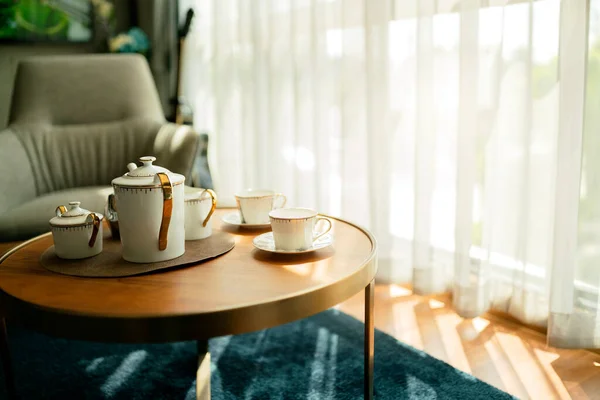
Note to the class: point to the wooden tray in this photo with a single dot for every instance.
(110, 263)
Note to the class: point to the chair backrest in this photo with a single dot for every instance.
(82, 118)
(84, 89)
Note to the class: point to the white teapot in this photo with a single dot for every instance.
(150, 203)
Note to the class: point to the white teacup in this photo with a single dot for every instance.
(294, 228)
(200, 205)
(254, 205)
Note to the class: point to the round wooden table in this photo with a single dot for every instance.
(242, 291)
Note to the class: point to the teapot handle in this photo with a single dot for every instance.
(167, 189)
(111, 206)
(60, 210)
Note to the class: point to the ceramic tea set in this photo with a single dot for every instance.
(153, 214)
(155, 217)
(293, 229)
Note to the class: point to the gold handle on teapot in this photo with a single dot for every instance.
(60, 210)
(96, 222)
(167, 189)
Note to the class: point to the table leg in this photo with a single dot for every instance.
(369, 338)
(9, 378)
(203, 372)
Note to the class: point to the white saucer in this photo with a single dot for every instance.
(233, 218)
(267, 243)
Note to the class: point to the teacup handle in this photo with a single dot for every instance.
(325, 231)
(279, 196)
(96, 222)
(213, 196)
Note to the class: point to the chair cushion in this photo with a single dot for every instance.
(31, 218)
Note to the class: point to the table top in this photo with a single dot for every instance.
(244, 290)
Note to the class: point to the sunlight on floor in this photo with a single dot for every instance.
(324, 365)
(545, 361)
(480, 324)
(502, 367)
(447, 324)
(94, 365)
(435, 304)
(406, 327)
(471, 329)
(521, 358)
(127, 368)
(502, 353)
(399, 291)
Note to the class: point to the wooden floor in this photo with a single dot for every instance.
(498, 351)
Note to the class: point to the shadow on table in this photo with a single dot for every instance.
(285, 259)
(236, 230)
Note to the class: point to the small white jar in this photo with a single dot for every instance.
(77, 232)
(200, 204)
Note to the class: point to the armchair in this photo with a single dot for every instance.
(74, 124)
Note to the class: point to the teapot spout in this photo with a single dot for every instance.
(131, 166)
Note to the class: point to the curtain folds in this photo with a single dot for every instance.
(461, 132)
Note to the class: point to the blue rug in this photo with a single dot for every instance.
(316, 358)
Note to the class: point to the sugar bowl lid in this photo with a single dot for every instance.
(145, 175)
(74, 215)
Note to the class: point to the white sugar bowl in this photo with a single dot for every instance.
(77, 232)
(200, 204)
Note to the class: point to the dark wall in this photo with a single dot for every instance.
(155, 17)
(158, 18)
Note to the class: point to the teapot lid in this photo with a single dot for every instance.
(74, 215)
(145, 175)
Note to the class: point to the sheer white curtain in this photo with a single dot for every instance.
(453, 129)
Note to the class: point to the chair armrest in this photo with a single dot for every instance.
(17, 183)
(176, 146)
